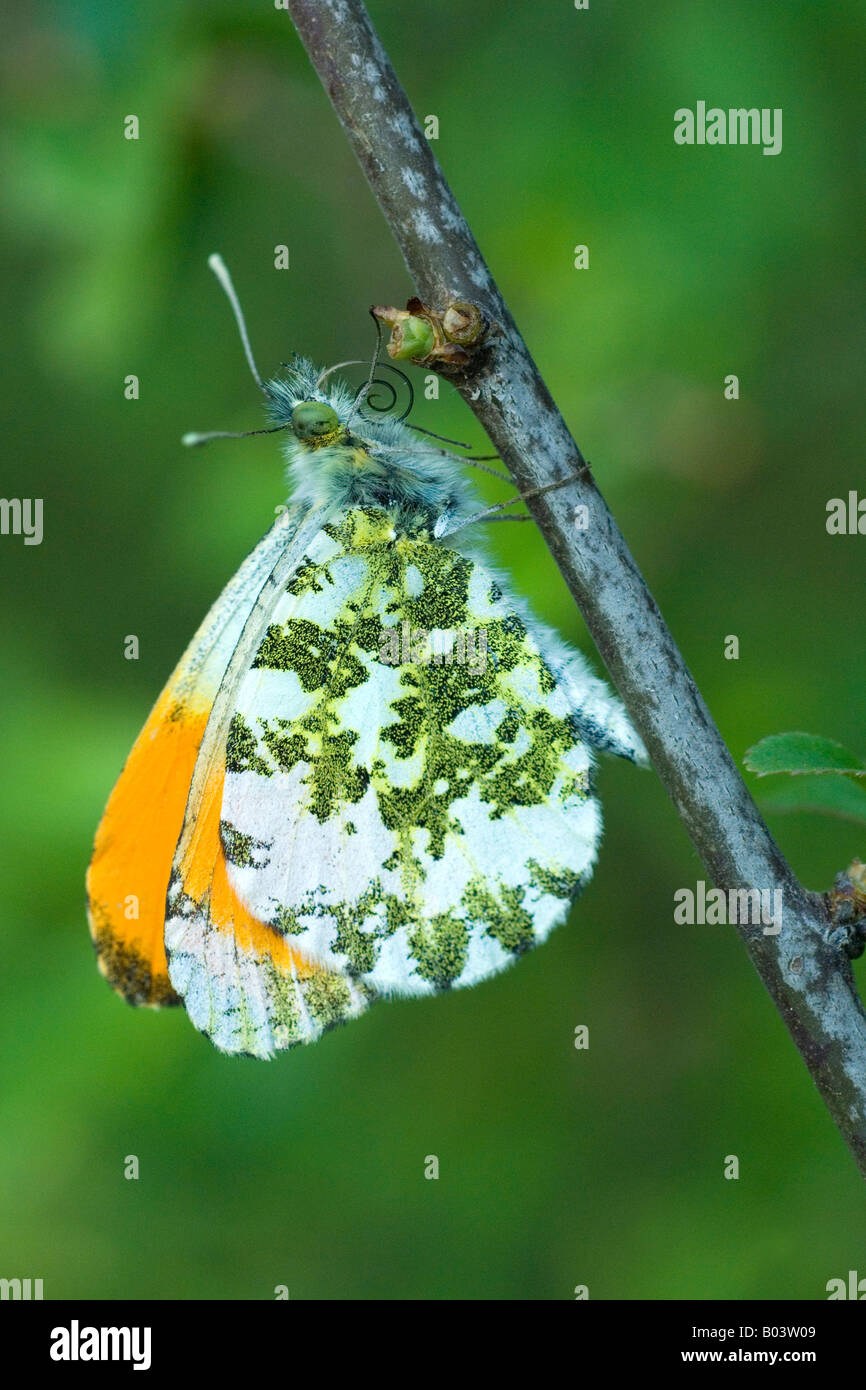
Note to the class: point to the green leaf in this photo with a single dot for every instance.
(801, 753)
(831, 796)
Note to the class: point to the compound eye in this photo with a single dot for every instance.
(314, 419)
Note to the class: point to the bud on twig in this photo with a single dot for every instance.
(846, 902)
(445, 339)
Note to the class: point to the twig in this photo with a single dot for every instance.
(808, 978)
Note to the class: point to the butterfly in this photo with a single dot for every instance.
(371, 772)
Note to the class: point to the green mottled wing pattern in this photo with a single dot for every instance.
(407, 795)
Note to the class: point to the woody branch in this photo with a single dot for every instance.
(804, 968)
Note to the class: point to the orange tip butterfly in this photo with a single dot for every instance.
(371, 772)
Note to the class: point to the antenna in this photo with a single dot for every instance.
(192, 438)
(329, 371)
(220, 270)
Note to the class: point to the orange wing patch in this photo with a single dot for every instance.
(128, 876)
(137, 839)
(244, 986)
(204, 880)
(135, 844)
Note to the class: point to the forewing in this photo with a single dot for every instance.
(416, 823)
(243, 983)
(136, 838)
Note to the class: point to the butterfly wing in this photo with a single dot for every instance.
(415, 825)
(136, 838)
(244, 984)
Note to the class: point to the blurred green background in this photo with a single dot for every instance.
(557, 1167)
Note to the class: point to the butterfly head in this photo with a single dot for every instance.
(329, 464)
(315, 424)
